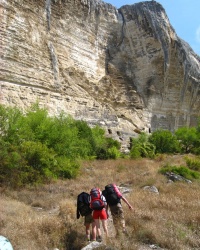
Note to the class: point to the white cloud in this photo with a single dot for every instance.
(198, 34)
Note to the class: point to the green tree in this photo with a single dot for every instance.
(187, 138)
(104, 148)
(196, 149)
(37, 124)
(164, 141)
(36, 148)
(141, 147)
(11, 121)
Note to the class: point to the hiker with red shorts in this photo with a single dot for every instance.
(99, 206)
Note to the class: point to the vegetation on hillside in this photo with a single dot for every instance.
(36, 148)
(44, 217)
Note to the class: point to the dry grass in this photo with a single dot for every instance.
(45, 217)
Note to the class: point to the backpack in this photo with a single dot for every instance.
(83, 205)
(96, 202)
(111, 195)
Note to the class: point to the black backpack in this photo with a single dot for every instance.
(111, 195)
(83, 205)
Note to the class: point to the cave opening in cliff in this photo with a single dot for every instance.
(109, 131)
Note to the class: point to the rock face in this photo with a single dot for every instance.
(124, 69)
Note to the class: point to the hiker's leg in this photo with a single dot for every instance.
(123, 225)
(88, 221)
(103, 217)
(121, 219)
(87, 231)
(98, 230)
(116, 223)
(114, 213)
(94, 231)
(118, 218)
(97, 224)
(105, 228)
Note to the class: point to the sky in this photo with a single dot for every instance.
(184, 16)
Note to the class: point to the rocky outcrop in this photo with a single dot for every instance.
(124, 69)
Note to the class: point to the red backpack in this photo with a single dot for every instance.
(96, 202)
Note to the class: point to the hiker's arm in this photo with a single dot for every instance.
(77, 214)
(129, 205)
(106, 207)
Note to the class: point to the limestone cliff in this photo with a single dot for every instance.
(124, 69)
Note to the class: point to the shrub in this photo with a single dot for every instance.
(141, 147)
(113, 153)
(181, 170)
(67, 168)
(193, 164)
(164, 142)
(11, 121)
(135, 153)
(10, 163)
(104, 148)
(187, 138)
(36, 148)
(40, 158)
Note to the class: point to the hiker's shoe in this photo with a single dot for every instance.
(99, 238)
(87, 240)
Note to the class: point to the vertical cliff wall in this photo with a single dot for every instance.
(124, 69)
(165, 69)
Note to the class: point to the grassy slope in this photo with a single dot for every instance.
(170, 219)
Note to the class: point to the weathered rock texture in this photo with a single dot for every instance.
(124, 69)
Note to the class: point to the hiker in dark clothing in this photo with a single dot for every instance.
(84, 210)
(113, 197)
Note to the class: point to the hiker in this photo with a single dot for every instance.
(113, 198)
(100, 211)
(83, 209)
